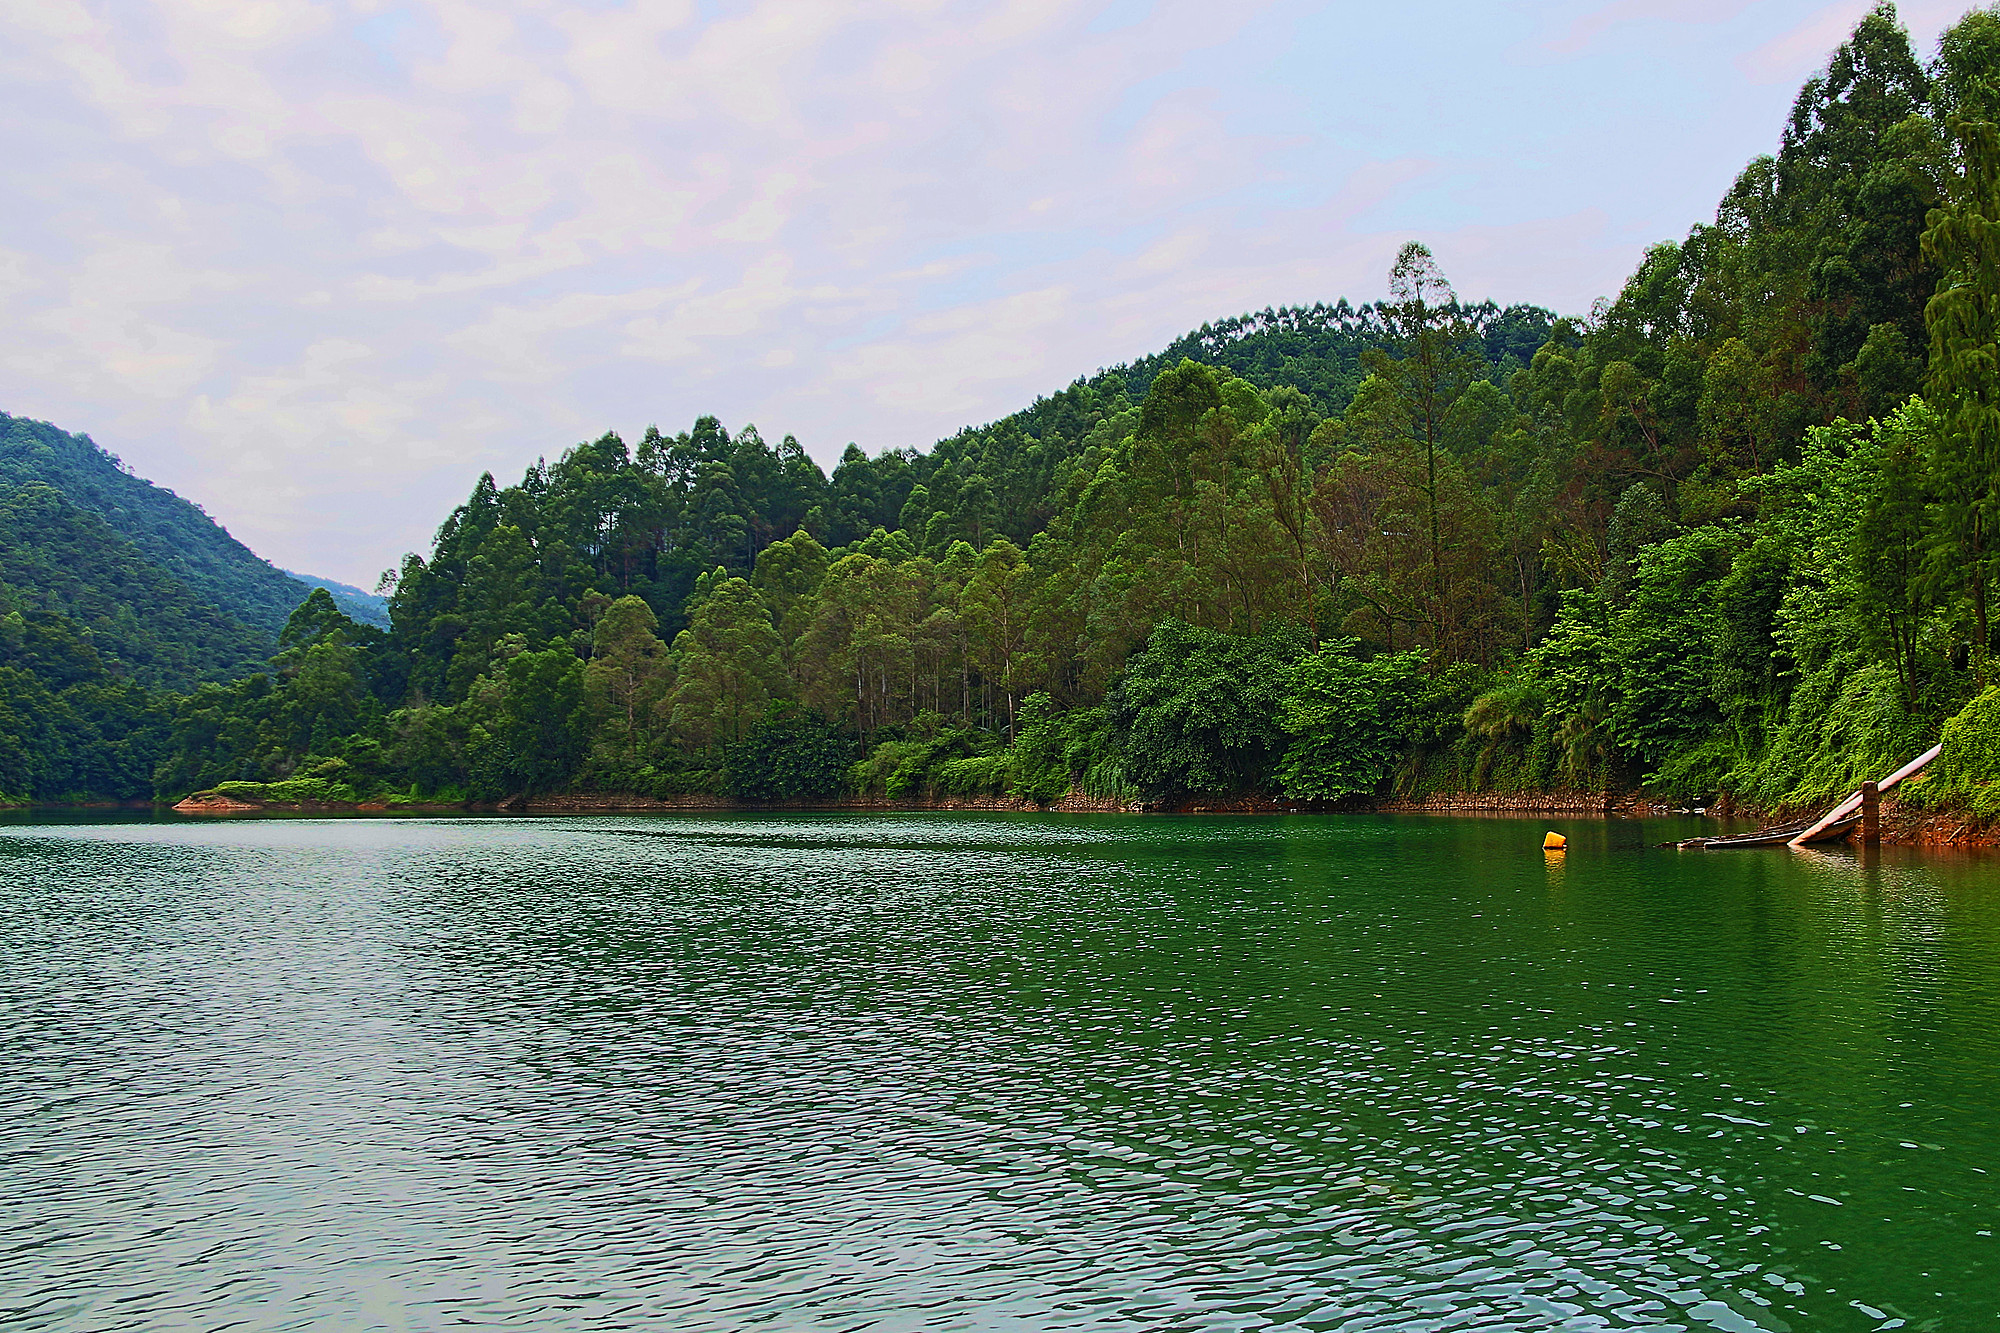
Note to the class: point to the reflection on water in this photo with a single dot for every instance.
(991, 1072)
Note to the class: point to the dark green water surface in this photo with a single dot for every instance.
(990, 1072)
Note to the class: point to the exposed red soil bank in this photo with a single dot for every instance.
(580, 803)
(1936, 828)
(1901, 825)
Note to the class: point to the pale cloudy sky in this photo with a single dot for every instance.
(317, 263)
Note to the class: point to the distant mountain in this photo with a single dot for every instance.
(1318, 350)
(174, 535)
(366, 607)
(63, 568)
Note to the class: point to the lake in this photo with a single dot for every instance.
(990, 1072)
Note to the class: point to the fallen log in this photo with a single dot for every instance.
(1852, 804)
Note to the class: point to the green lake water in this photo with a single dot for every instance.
(990, 1072)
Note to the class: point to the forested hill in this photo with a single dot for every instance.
(367, 607)
(115, 595)
(94, 637)
(673, 507)
(1729, 536)
(172, 534)
(1001, 477)
(1319, 349)
(65, 569)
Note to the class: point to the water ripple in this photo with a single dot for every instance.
(987, 1072)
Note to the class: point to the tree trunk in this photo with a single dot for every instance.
(1979, 596)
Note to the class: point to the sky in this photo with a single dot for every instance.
(316, 264)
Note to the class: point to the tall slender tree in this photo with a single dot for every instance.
(1963, 241)
(1431, 371)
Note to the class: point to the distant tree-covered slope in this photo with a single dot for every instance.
(64, 568)
(172, 534)
(365, 608)
(1003, 477)
(1730, 535)
(1318, 349)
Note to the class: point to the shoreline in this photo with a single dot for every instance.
(607, 803)
(1901, 826)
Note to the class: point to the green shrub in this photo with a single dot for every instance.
(439, 796)
(1040, 768)
(1055, 753)
(1508, 712)
(980, 775)
(1967, 771)
(1350, 721)
(674, 773)
(1843, 726)
(1696, 773)
(792, 755)
(908, 769)
(1105, 780)
(291, 791)
(1201, 708)
(910, 775)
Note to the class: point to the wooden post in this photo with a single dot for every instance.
(1871, 814)
(1853, 803)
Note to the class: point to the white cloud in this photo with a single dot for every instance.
(318, 262)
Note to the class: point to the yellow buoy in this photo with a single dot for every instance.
(1554, 842)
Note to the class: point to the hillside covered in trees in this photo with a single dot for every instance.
(1730, 533)
(167, 532)
(116, 596)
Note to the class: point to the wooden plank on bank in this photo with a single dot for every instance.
(1853, 803)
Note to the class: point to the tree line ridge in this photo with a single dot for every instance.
(1729, 534)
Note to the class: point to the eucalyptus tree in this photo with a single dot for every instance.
(1434, 367)
(1963, 241)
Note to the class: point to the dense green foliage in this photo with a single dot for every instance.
(95, 736)
(171, 534)
(1730, 534)
(1351, 721)
(1968, 769)
(68, 565)
(112, 593)
(1006, 477)
(367, 607)
(90, 631)
(1202, 708)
